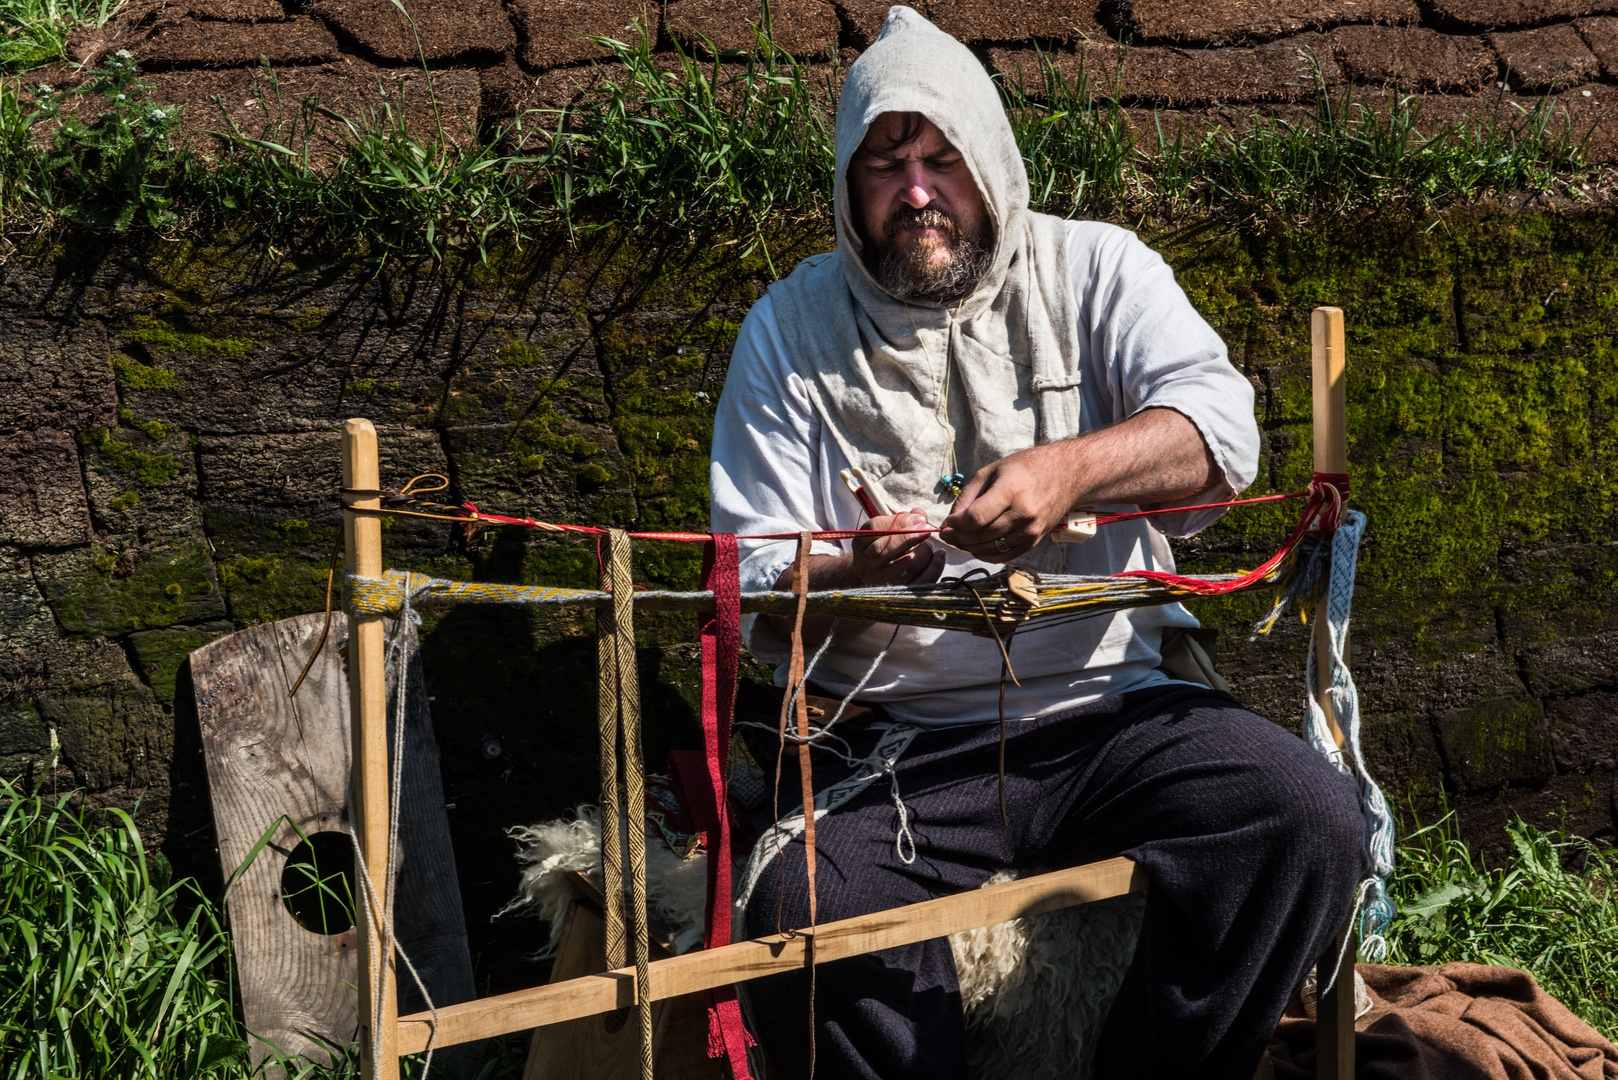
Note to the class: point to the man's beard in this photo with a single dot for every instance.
(908, 271)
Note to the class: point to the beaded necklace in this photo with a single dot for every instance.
(952, 479)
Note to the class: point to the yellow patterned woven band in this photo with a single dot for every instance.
(943, 604)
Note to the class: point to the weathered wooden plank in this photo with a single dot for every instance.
(745, 960)
(268, 755)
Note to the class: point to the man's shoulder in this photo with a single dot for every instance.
(1107, 259)
(806, 279)
(1089, 241)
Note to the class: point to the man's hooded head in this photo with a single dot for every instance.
(878, 363)
(929, 179)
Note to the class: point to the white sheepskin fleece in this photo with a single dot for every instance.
(676, 888)
(1035, 990)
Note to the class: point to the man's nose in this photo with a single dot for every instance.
(916, 192)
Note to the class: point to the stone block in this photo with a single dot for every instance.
(175, 41)
(350, 87)
(1413, 58)
(159, 654)
(557, 469)
(1584, 804)
(547, 365)
(558, 32)
(1242, 22)
(1584, 730)
(1564, 589)
(42, 501)
(25, 740)
(976, 21)
(87, 45)
(25, 619)
(1550, 58)
(296, 475)
(1570, 665)
(108, 723)
(121, 585)
(1601, 35)
(445, 29)
(1496, 742)
(1276, 72)
(1495, 15)
(244, 368)
(142, 483)
(865, 18)
(55, 376)
(803, 28)
(1591, 114)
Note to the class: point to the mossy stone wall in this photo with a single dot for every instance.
(173, 464)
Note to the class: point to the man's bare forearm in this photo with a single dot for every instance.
(1154, 457)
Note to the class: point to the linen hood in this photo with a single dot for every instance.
(876, 366)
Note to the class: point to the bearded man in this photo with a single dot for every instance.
(994, 369)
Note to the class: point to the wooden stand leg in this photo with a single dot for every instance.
(368, 710)
(1334, 1024)
(1334, 1012)
(1331, 456)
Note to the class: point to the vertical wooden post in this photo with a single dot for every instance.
(1334, 1012)
(368, 720)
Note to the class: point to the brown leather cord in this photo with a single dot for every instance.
(1005, 665)
(799, 704)
(325, 627)
(1005, 668)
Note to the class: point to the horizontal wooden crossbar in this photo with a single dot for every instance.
(758, 957)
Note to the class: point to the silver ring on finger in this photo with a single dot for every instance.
(1000, 545)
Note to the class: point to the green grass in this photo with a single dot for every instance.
(730, 142)
(1551, 910)
(33, 32)
(111, 972)
(99, 976)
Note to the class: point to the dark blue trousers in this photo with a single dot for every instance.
(1253, 842)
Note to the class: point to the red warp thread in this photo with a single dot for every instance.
(1327, 493)
(474, 515)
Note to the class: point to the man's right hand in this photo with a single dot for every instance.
(897, 560)
(878, 560)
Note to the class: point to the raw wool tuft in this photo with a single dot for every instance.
(676, 888)
(1035, 990)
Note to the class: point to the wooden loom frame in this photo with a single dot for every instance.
(744, 960)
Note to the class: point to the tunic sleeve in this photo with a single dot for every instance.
(1149, 348)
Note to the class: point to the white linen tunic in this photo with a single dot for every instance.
(776, 470)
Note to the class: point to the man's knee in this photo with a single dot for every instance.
(1325, 826)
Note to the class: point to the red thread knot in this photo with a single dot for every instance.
(1328, 492)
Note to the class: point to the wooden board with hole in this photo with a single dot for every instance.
(269, 756)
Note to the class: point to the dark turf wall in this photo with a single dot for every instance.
(172, 466)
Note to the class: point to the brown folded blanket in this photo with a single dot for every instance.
(1454, 1022)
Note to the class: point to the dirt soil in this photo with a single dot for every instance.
(1473, 57)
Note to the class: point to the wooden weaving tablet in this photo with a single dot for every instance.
(268, 756)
